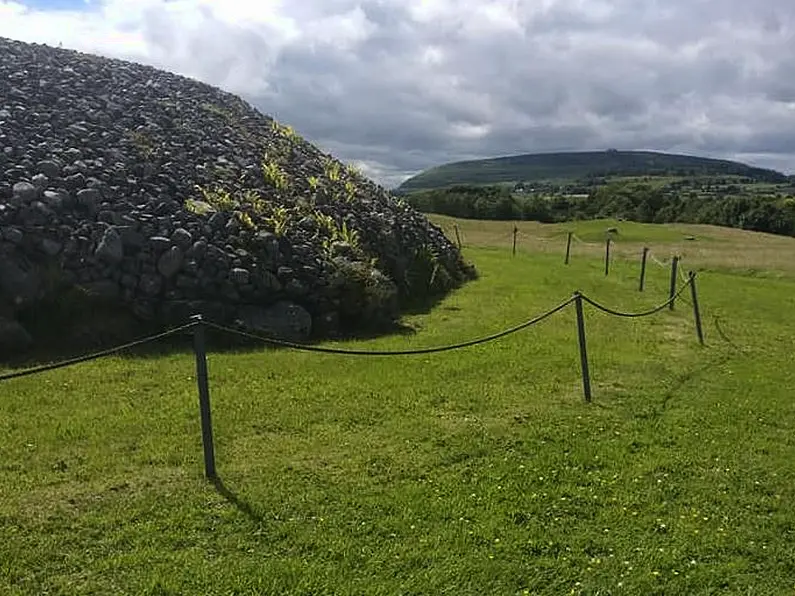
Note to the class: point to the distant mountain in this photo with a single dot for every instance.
(580, 165)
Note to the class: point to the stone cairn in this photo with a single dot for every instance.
(170, 197)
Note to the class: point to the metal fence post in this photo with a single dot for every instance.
(204, 396)
(643, 268)
(586, 375)
(672, 292)
(696, 310)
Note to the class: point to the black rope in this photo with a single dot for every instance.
(652, 311)
(473, 342)
(94, 356)
(318, 349)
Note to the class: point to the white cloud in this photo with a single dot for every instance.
(401, 85)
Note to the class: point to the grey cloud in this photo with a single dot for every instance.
(697, 76)
(641, 79)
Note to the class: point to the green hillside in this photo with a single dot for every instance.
(580, 165)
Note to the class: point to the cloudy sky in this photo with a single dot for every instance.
(401, 85)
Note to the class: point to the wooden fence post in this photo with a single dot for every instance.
(672, 291)
(199, 349)
(515, 232)
(568, 249)
(586, 375)
(696, 310)
(457, 236)
(607, 256)
(643, 268)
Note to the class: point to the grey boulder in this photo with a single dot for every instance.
(284, 320)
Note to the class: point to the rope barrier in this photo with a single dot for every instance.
(658, 262)
(654, 310)
(343, 351)
(94, 356)
(583, 242)
(318, 349)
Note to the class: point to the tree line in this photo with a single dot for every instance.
(640, 202)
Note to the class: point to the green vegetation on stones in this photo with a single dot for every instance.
(332, 171)
(352, 170)
(218, 198)
(286, 131)
(279, 220)
(350, 191)
(274, 175)
(333, 233)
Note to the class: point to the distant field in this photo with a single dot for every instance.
(700, 246)
(480, 471)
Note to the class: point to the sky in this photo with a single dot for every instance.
(397, 86)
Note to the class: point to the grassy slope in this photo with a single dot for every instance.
(569, 166)
(479, 471)
(701, 247)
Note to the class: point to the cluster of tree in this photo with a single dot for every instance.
(468, 201)
(636, 202)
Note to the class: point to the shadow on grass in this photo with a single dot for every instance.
(56, 349)
(238, 502)
(679, 381)
(71, 326)
(84, 333)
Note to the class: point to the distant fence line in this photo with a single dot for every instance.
(198, 325)
(644, 257)
(646, 254)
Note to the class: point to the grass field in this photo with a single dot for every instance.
(703, 248)
(480, 471)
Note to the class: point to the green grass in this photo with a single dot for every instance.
(480, 471)
(626, 231)
(703, 247)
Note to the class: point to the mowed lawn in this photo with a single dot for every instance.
(479, 471)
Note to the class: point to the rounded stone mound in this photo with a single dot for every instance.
(127, 185)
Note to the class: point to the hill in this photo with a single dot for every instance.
(138, 188)
(580, 165)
